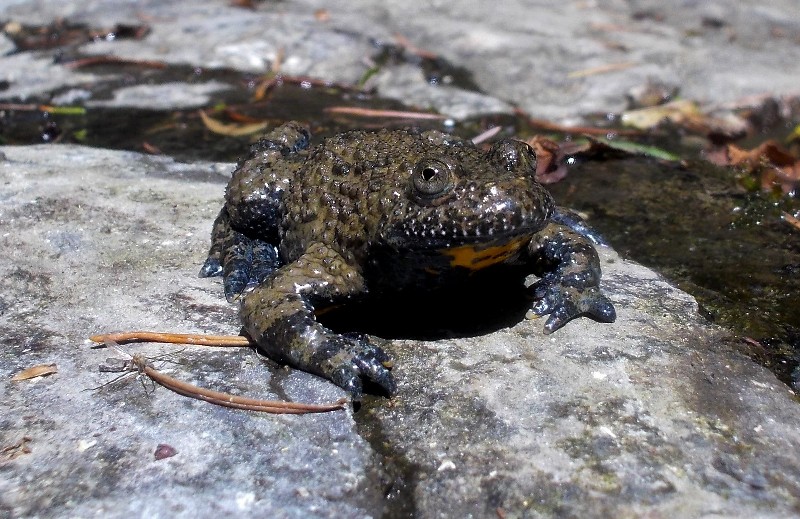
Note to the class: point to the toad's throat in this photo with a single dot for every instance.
(477, 257)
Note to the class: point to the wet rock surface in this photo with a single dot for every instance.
(655, 414)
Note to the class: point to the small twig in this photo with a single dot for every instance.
(368, 112)
(602, 69)
(406, 44)
(113, 60)
(588, 130)
(791, 220)
(754, 343)
(270, 79)
(151, 148)
(486, 135)
(138, 363)
(228, 400)
(231, 129)
(175, 338)
(20, 107)
(58, 110)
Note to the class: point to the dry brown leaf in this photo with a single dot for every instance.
(231, 129)
(774, 166)
(40, 370)
(677, 112)
(687, 114)
(549, 167)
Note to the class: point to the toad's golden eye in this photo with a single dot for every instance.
(432, 178)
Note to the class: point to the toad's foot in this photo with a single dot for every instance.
(569, 286)
(243, 262)
(565, 303)
(346, 360)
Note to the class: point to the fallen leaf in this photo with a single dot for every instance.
(241, 118)
(721, 125)
(795, 135)
(638, 149)
(771, 163)
(676, 112)
(592, 147)
(93, 61)
(651, 93)
(549, 168)
(231, 129)
(40, 370)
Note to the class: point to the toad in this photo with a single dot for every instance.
(365, 213)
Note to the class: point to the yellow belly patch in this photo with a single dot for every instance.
(479, 257)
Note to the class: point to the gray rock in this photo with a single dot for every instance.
(166, 96)
(553, 60)
(98, 241)
(405, 82)
(532, 53)
(655, 415)
(29, 75)
(6, 45)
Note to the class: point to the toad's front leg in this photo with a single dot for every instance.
(279, 316)
(570, 278)
(242, 261)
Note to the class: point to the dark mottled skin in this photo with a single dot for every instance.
(374, 212)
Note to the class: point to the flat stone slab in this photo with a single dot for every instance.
(655, 415)
(553, 60)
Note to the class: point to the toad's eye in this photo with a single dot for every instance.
(432, 178)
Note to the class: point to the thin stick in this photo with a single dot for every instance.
(228, 400)
(602, 69)
(791, 220)
(369, 112)
(589, 130)
(175, 338)
(486, 135)
(113, 60)
(140, 364)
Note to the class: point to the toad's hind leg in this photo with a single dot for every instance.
(279, 316)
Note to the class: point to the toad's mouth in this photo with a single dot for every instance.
(479, 256)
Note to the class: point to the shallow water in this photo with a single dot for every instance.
(692, 223)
